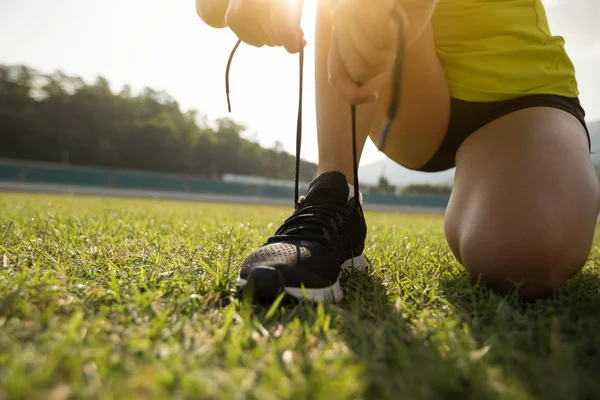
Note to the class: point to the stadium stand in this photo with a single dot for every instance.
(200, 185)
(211, 186)
(58, 174)
(148, 180)
(44, 173)
(436, 201)
(9, 171)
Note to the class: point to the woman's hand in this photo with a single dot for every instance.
(257, 22)
(363, 43)
(212, 12)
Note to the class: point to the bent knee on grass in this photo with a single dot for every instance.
(525, 202)
(536, 262)
(528, 240)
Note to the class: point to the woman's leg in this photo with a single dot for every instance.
(295, 259)
(421, 121)
(525, 201)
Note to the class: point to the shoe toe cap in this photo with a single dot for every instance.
(294, 264)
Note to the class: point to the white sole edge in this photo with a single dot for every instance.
(319, 295)
(358, 263)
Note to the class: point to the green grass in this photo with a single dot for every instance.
(105, 298)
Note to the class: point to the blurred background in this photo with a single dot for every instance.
(131, 95)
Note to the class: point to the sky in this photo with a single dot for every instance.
(162, 44)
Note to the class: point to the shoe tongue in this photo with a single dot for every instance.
(329, 186)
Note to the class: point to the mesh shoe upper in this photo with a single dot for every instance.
(325, 230)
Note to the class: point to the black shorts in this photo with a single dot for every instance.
(467, 117)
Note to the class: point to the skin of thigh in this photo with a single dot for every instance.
(422, 118)
(525, 201)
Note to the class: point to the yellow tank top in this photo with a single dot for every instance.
(495, 50)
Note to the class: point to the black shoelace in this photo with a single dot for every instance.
(312, 222)
(391, 113)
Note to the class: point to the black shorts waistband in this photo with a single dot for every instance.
(466, 117)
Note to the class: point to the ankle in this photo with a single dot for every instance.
(349, 181)
(348, 174)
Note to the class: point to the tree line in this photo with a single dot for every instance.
(59, 118)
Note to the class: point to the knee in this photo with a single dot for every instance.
(537, 263)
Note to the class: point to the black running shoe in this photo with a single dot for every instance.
(326, 233)
(306, 256)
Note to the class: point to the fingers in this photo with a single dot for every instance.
(358, 68)
(270, 36)
(285, 16)
(347, 87)
(267, 22)
(365, 36)
(242, 17)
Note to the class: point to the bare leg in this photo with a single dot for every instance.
(525, 201)
(295, 259)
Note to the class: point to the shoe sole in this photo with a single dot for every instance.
(333, 293)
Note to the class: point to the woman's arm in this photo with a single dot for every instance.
(212, 12)
(364, 39)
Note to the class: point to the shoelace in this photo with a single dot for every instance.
(312, 222)
(391, 113)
